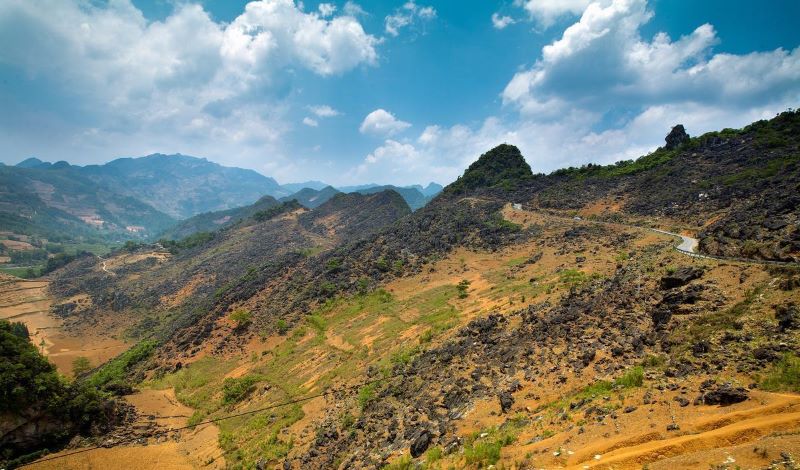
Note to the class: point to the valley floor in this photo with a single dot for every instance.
(28, 301)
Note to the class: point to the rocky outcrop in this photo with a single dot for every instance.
(676, 137)
(725, 394)
(680, 277)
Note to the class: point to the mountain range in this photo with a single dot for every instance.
(140, 198)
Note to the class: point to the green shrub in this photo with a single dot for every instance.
(235, 390)
(317, 322)
(573, 277)
(362, 285)
(365, 395)
(327, 288)
(196, 418)
(633, 377)
(462, 289)
(242, 317)
(652, 361)
(347, 420)
(333, 265)
(382, 265)
(426, 337)
(784, 375)
(433, 455)
(282, 326)
(398, 266)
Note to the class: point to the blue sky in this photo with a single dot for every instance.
(390, 91)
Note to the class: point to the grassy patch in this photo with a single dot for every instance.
(484, 451)
(403, 463)
(784, 375)
(654, 361)
(23, 272)
(433, 455)
(235, 390)
(117, 369)
(365, 395)
(197, 384)
(196, 418)
(318, 323)
(709, 324)
(633, 377)
(575, 277)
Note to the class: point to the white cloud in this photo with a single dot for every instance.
(635, 91)
(353, 9)
(382, 122)
(546, 12)
(323, 111)
(310, 122)
(629, 69)
(185, 83)
(500, 21)
(326, 9)
(409, 14)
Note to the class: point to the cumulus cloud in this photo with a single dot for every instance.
(546, 12)
(182, 81)
(629, 69)
(326, 9)
(500, 21)
(323, 111)
(409, 14)
(636, 91)
(310, 122)
(382, 122)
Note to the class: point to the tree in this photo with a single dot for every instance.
(242, 317)
(81, 365)
(462, 289)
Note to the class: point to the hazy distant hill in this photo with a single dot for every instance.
(415, 196)
(211, 221)
(295, 187)
(312, 198)
(57, 202)
(431, 190)
(183, 186)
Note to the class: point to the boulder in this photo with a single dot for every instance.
(787, 316)
(725, 394)
(506, 401)
(421, 443)
(680, 277)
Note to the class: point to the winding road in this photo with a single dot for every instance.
(104, 267)
(688, 245)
